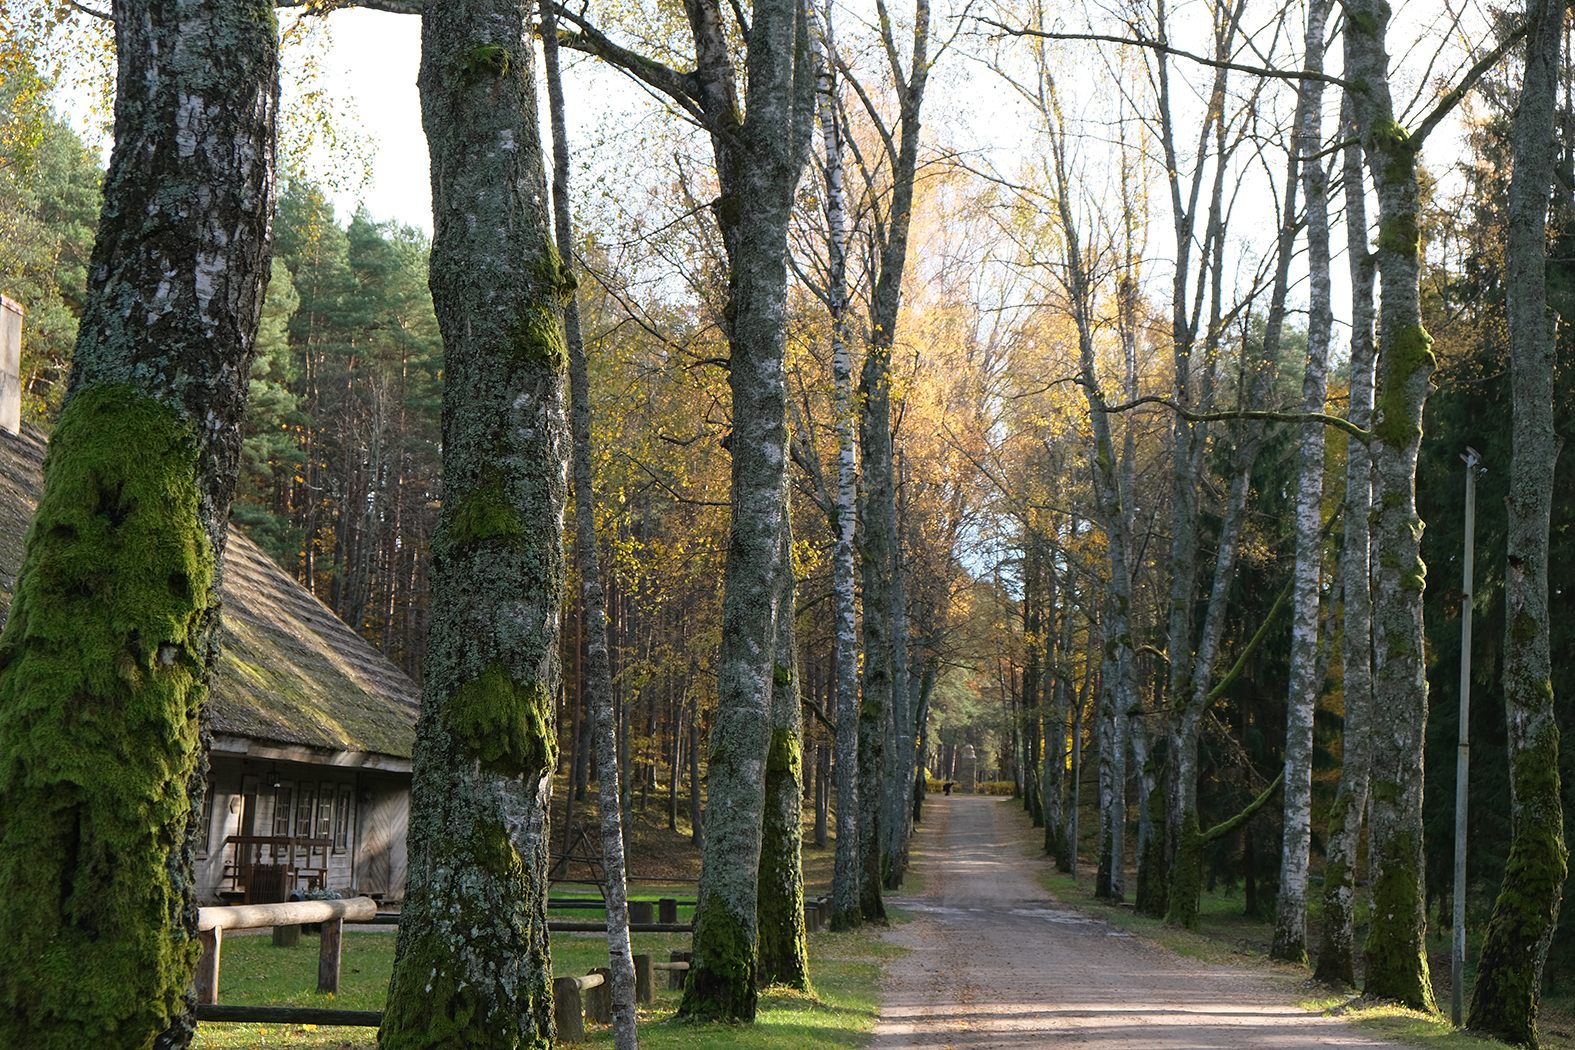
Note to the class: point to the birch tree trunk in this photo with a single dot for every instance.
(1509, 975)
(107, 651)
(784, 947)
(845, 910)
(471, 963)
(1337, 950)
(878, 510)
(598, 669)
(1290, 925)
(763, 158)
(1395, 949)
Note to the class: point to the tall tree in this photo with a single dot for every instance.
(597, 681)
(471, 966)
(1290, 925)
(1509, 975)
(884, 683)
(784, 945)
(1337, 949)
(1395, 949)
(845, 910)
(105, 657)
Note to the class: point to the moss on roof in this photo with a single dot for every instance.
(289, 670)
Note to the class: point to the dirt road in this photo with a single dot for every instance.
(996, 963)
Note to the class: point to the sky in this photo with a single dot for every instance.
(623, 143)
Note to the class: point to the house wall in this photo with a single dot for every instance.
(364, 815)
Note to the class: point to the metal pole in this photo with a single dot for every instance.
(1457, 953)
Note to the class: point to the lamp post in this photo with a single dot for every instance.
(1457, 952)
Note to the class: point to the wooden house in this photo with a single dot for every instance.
(312, 727)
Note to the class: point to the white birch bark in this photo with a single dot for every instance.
(598, 670)
(845, 880)
(1290, 927)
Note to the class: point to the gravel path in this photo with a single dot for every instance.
(996, 963)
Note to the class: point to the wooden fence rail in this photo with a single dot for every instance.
(332, 915)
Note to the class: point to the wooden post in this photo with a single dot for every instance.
(811, 916)
(598, 1000)
(332, 935)
(642, 911)
(286, 936)
(644, 985)
(567, 1012)
(667, 909)
(207, 979)
(676, 978)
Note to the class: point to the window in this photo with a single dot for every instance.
(305, 809)
(342, 818)
(282, 796)
(205, 823)
(325, 813)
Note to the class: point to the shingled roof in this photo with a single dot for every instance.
(290, 672)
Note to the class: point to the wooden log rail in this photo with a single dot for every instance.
(570, 1003)
(330, 915)
(574, 997)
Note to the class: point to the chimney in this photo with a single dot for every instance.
(10, 365)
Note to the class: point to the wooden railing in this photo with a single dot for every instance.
(331, 917)
(578, 997)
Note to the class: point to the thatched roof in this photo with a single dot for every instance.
(289, 672)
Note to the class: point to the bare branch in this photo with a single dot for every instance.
(1167, 49)
(1337, 422)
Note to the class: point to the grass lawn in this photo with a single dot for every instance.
(846, 970)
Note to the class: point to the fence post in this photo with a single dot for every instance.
(642, 912)
(567, 1013)
(644, 987)
(598, 1000)
(667, 909)
(331, 934)
(207, 979)
(676, 978)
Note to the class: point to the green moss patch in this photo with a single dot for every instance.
(504, 723)
(102, 678)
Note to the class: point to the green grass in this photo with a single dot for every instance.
(846, 971)
(1398, 1023)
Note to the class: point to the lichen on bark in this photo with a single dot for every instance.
(471, 966)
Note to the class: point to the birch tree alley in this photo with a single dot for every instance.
(1015, 452)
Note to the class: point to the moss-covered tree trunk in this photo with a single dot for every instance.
(1337, 949)
(598, 668)
(1395, 949)
(471, 967)
(1509, 975)
(105, 658)
(763, 158)
(1306, 677)
(784, 945)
